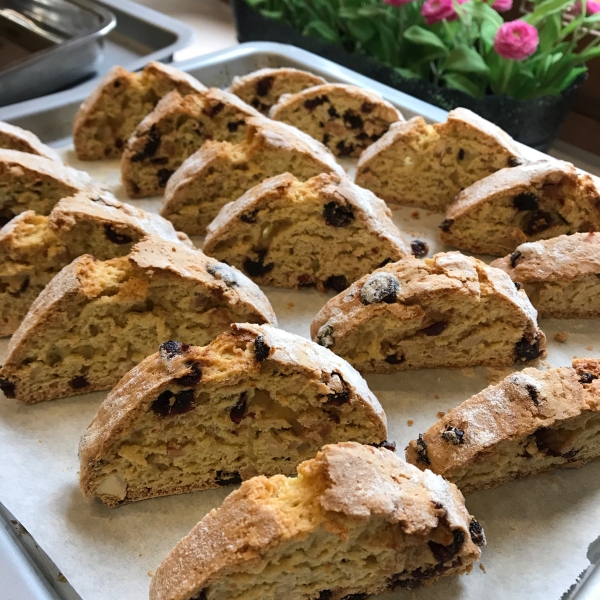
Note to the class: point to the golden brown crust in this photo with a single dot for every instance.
(15, 138)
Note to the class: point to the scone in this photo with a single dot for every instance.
(356, 521)
(530, 422)
(221, 172)
(262, 89)
(174, 130)
(423, 165)
(447, 311)
(346, 118)
(561, 276)
(96, 319)
(255, 401)
(34, 248)
(532, 202)
(15, 138)
(324, 233)
(116, 107)
(31, 182)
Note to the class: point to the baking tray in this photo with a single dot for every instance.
(140, 36)
(538, 529)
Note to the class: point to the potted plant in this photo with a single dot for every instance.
(520, 74)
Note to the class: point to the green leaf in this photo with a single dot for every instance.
(464, 84)
(362, 30)
(320, 29)
(589, 54)
(486, 14)
(488, 33)
(546, 8)
(407, 73)
(550, 32)
(466, 60)
(571, 77)
(423, 37)
(273, 14)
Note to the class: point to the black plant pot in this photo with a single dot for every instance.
(535, 122)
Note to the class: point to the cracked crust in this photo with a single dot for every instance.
(449, 311)
(107, 118)
(228, 363)
(15, 138)
(504, 431)
(346, 488)
(370, 230)
(527, 203)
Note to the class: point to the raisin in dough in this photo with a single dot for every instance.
(15, 138)
(173, 131)
(262, 89)
(529, 423)
(561, 275)
(532, 202)
(255, 401)
(34, 248)
(116, 107)
(31, 182)
(423, 165)
(347, 119)
(221, 172)
(98, 319)
(448, 311)
(326, 232)
(318, 535)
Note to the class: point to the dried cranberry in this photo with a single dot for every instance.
(352, 120)
(367, 107)
(306, 281)
(339, 398)
(326, 139)
(214, 110)
(200, 596)
(446, 224)
(192, 379)
(162, 405)
(445, 553)
(337, 283)
(387, 261)
(514, 257)
(517, 285)
(118, 143)
(225, 478)
(453, 435)
(249, 217)
(163, 176)
(223, 273)
(184, 403)
(261, 349)
(435, 329)
(312, 103)
(422, 450)
(79, 382)
(325, 336)
(233, 126)
(477, 533)
(337, 215)
(238, 412)
(264, 85)
(170, 349)
(526, 201)
(394, 359)
(461, 154)
(542, 441)
(526, 350)
(257, 268)
(391, 446)
(533, 394)
(539, 221)
(325, 595)
(150, 147)
(8, 388)
(334, 114)
(116, 238)
(344, 149)
(419, 248)
(513, 161)
(24, 285)
(380, 287)
(4, 221)
(587, 378)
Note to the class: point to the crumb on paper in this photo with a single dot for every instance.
(415, 214)
(561, 336)
(140, 554)
(289, 305)
(61, 578)
(410, 422)
(468, 372)
(590, 348)
(482, 567)
(150, 574)
(440, 414)
(39, 441)
(436, 396)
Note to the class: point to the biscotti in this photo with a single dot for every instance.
(448, 311)
(31, 182)
(356, 521)
(254, 401)
(346, 118)
(116, 107)
(529, 423)
(221, 172)
(173, 131)
(326, 233)
(423, 165)
(559, 275)
(15, 138)
(532, 202)
(262, 89)
(34, 248)
(96, 319)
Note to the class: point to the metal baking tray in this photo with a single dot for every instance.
(139, 36)
(46, 45)
(51, 119)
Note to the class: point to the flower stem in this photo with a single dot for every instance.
(506, 77)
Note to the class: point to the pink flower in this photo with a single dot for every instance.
(397, 2)
(516, 40)
(437, 10)
(502, 5)
(592, 8)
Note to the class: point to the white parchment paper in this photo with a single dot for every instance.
(538, 530)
